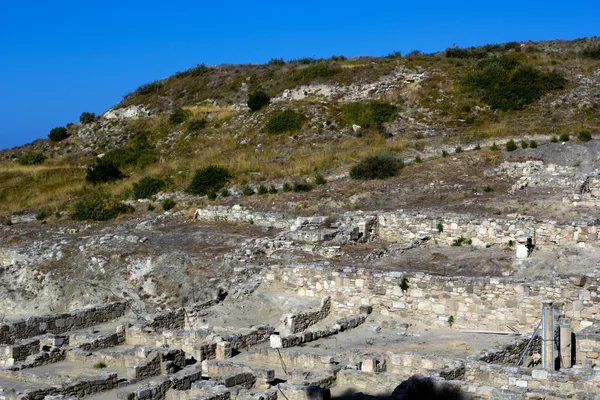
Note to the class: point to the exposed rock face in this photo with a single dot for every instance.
(127, 112)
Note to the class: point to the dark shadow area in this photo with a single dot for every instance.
(414, 388)
(573, 348)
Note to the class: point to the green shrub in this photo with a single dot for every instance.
(450, 321)
(379, 166)
(302, 186)
(592, 51)
(212, 177)
(212, 195)
(444, 153)
(488, 188)
(368, 115)
(179, 116)
(564, 137)
(7, 221)
(43, 213)
(319, 180)
(225, 192)
(150, 207)
(149, 88)
(147, 187)
(285, 121)
(440, 227)
(247, 191)
(286, 187)
(477, 147)
(103, 170)
(140, 154)
(87, 117)
(404, 284)
(458, 150)
(494, 147)
(57, 134)
(196, 124)
(168, 204)
(584, 135)
(461, 240)
(258, 99)
(276, 61)
(504, 83)
(418, 160)
(553, 139)
(533, 144)
(320, 70)
(272, 190)
(262, 189)
(33, 158)
(524, 144)
(511, 145)
(99, 206)
(99, 365)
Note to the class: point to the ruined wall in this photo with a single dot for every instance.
(340, 325)
(403, 226)
(292, 359)
(300, 321)
(242, 214)
(35, 326)
(475, 303)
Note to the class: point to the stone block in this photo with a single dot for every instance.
(522, 251)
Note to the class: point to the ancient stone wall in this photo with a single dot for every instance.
(401, 226)
(75, 389)
(475, 303)
(292, 359)
(35, 326)
(340, 325)
(300, 321)
(238, 213)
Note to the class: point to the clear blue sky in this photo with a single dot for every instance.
(59, 58)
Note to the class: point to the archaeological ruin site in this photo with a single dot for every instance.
(367, 228)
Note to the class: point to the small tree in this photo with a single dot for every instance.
(379, 166)
(147, 187)
(212, 177)
(57, 134)
(258, 99)
(103, 170)
(87, 117)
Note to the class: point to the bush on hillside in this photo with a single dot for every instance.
(511, 145)
(210, 178)
(584, 135)
(103, 170)
(302, 186)
(564, 137)
(57, 134)
(368, 115)
(179, 116)
(147, 187)
(379, 166)
(99, 206)
(33, 158)
(592, 51)
(87, 117)
(285, 121)
(168, 203)
(140, 154)
(149, 88)
(258, 99)
(320, 70)
(504, 83)
(196, 124)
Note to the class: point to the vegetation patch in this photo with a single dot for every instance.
(368, 115)
(140, 154)
(179, 116)
(99, 206)
(168, 203)
(147, 187)
(102, 171)
(210, 178)
(57, 134)
(33, 158)
(313, 71)
(584, 135)
(505, 83)
(592, 51)
(258, 99)
(285, 121)
(87, 117)
(378, 166)
(196, 125)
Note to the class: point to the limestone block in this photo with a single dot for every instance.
(522, 251)
(276, 342)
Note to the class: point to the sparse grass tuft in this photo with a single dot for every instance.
(168, 203)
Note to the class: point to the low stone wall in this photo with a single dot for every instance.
(36, 326)
(157, 389)
(340, 325)
(100, 342)
(401, 226)
(412, 364)
(18, 351)
(166, 320)
(83, 387)
(292, 359)
(587, 344)
(244, 338)
(51, 356)
(238, 213)
(381, 384)
(214, 368)
(521, 379)
(300, 321)
(510, 354)
(474, 303)
(145, 369)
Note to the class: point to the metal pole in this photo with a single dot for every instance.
(529, 344)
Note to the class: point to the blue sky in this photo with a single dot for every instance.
(59, 58)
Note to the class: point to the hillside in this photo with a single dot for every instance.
(432, 111)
